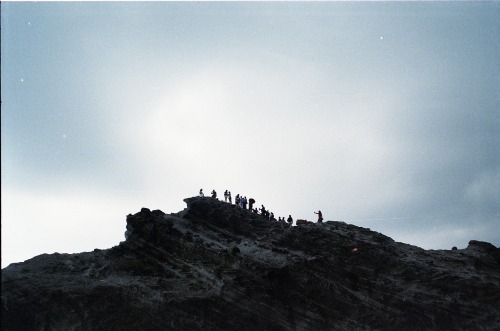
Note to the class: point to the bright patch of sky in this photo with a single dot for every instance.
(384, 115)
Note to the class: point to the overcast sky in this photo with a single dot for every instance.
(383, 115)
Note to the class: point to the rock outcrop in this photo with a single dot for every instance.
(214, 266)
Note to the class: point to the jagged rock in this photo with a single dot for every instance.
(302, 222)
(215, 266)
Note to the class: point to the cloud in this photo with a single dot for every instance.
(447, 233)
(63, 221)
(483, 193)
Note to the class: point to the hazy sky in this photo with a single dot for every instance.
(384, 115)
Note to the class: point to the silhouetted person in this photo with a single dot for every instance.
(283, 223)
(320, 216)
(201, 193)
(230, 198)
(290, 219)
(237, 200)
(244, 202)
(225, 196)
(214, 194)
(251, 201)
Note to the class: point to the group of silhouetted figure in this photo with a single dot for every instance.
(242, 202)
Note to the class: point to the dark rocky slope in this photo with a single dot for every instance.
(215, 266)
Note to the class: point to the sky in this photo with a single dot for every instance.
(383, 115)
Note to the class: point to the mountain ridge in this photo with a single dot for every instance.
(215, 266)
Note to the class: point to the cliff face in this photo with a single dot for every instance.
(215, 266)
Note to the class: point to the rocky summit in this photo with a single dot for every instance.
(215, 266)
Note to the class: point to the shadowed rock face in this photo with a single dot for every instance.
(215, 266)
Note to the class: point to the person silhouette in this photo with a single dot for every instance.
(251, 201)
(320, 216)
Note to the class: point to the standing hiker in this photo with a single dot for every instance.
(320, 216)
(251, 201)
